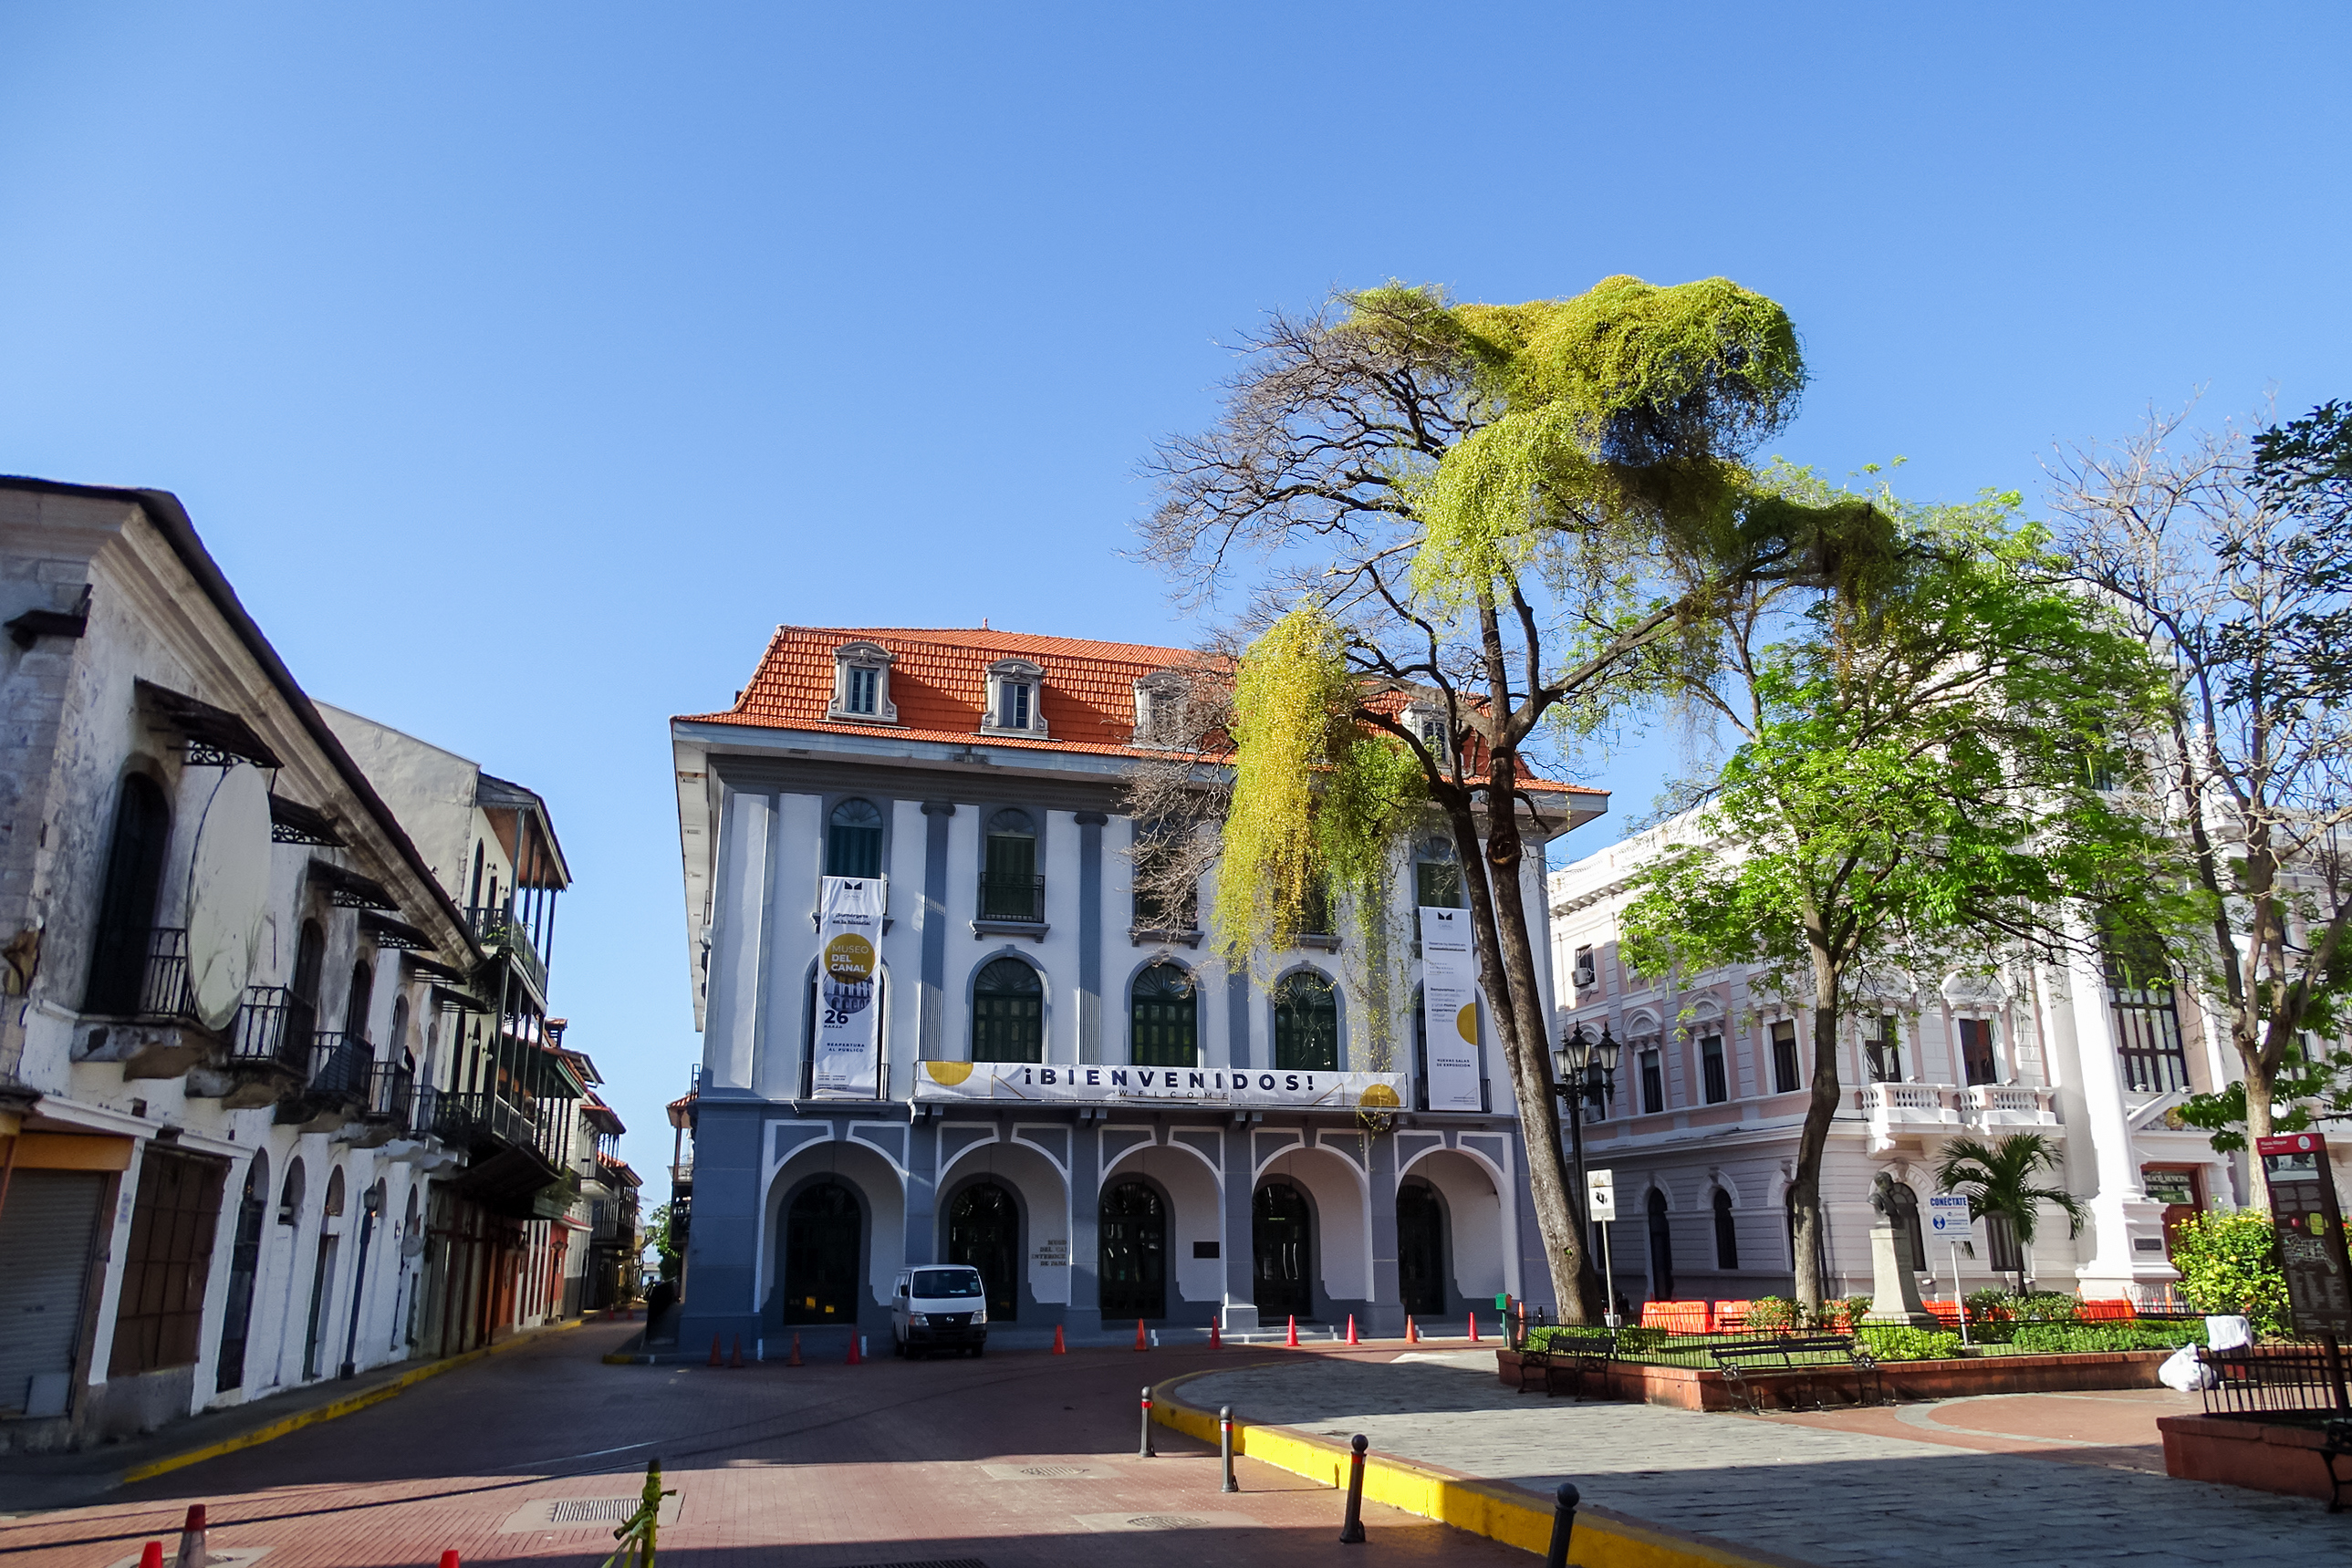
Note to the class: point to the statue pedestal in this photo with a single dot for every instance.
(1894, 1296)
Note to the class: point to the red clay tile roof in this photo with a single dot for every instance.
(939, 683)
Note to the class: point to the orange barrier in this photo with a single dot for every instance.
(2107, 1311)
(1678, 1317)
(1730, 1316)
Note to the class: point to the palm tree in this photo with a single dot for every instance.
(1998, 1179)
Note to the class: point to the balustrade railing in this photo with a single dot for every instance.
(274, 1026)
(499, 930)
(164, 989)
(1014, 898)
(340, 1065)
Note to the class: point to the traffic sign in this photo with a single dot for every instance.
(1948, 1217)
(1600, 1194)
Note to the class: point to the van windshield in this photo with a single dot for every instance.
(932, 1283)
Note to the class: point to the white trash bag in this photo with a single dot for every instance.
(2227, 1332)
(2183, 1370)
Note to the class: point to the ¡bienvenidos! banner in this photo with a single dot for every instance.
(849, 935)
(1088, 1083)
(1449, 1000)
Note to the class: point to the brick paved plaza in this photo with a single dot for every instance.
(894, 1462)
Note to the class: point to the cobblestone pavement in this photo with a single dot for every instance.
(1012, 1460)
(1823, 1491)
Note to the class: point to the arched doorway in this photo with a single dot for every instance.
(1281, 1236)
(243, 1268)
(823, 1232)
(1133, 1264)
(1662, 1250)
(984, 1231)
(1421, 1249)
(322, 1275)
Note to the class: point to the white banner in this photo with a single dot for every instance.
(1449, 1008)
(1062, 1083)
(849, 934)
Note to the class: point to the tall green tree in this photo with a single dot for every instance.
(2230, 558)
(2000, 1180)
(1909, 794)
(1453, 523)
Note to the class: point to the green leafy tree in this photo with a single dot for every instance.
(1458, 521)
(2230, 559)
(1998, 1179)
(1909, 794)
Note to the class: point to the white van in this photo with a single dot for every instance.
(940, 1307)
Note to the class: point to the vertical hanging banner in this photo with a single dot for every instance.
(1449, 1003)
(848, 965)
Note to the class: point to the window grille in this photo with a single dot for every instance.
(1164, 1018)
(1306, 1025)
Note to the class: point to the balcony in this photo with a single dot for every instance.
(2008, 1105)
(515, 1151)
(269, 1057)
(160, 1036)
(1010, 906)
(336, 1084)
(499, 932)
(1899, 1109)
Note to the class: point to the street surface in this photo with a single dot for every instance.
(2053, 1480)
(1013, 1459)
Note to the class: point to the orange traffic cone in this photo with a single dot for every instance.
(192, 1539)
(1351, 1328)
(1140, 1343)
(795, 1359)
(1294, 1331)
(715, 1359)
(1216, 1339)
(1059, 1348)
(1412, 1332)
(738, 1352)
(1474, 1328)
(152, 1555)
(855, 1359)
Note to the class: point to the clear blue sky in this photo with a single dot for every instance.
(524, 366)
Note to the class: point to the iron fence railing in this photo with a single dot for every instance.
(1017, 898)
(2270, 1377)
(273, 1026)
(470, 1117)
(390, 1094)
(339, 1064)
(163, 989)
(499, 931)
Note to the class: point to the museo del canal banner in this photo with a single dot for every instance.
(849, 928)
(1449, 1000)
(1001, 1082)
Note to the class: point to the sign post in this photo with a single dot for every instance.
(1948, 1217)
(1600, 1205)
(2310, 1226)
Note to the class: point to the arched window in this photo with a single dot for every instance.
(853, 840)
(289, 1197)
(1908, 1230)
(301, 1025)
(1306, 1024)
(356, 1005)
(126, 910)
(1437, 874)
(1163, 1018)
(1010, 887)
(1727, 1233)
(1008, 1013)
(400, 1051)
(1662, 1250)
(244, 1267)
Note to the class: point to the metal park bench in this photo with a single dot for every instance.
(1740, 1358)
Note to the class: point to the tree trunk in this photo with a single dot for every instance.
(1805, 1191)
(1498, 917)
(2260, 1079)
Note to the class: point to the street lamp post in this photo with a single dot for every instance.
(1586, 1073)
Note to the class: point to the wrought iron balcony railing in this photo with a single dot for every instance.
(340, 1065)
(273, 1027)
(164, 989)
(390, 1094)
(1021, 899)
(498, 930)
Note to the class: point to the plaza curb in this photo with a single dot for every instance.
(271, 1431)
(1498, 1510)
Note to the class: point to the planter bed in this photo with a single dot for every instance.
(2270, 1451)
(1695, 1388)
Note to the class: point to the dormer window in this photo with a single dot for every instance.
(1428, 725)
(1159, 703)
(861, 684)
(1014, 705)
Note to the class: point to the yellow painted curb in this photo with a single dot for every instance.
(1500, 1513)
(376, 1395)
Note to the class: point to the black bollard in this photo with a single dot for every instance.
(1563, 1523)
(1352, 1532)
(1225, 1445)
(1144, 1451)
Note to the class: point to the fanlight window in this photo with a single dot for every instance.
(852, 839)
(1306, 1024)
(1008, 1013)
(1164, 1018)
